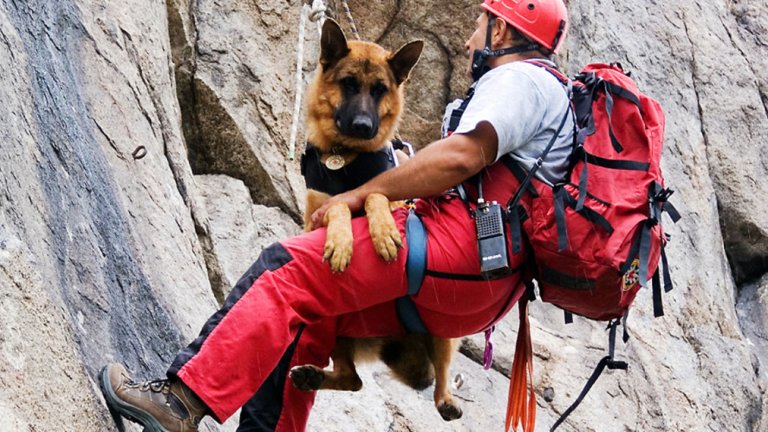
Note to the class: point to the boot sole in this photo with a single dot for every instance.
(130, 412)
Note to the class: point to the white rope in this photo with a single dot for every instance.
(315, 14)
(318, 14)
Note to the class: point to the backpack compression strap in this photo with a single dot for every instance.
(658, 197)
(606, 361)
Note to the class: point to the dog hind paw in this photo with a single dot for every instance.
(307, 378)
(448, 411)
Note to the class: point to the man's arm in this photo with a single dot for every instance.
(437, 167)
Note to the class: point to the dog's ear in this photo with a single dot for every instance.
(333, 44)
(405, 59)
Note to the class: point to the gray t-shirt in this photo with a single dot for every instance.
(524, 104)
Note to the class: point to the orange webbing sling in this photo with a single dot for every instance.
(521, 402)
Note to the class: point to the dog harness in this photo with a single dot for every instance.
(333, 182)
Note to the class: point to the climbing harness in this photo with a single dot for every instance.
(333, 181)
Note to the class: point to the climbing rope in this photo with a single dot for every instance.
(315, 13)
(351, 20)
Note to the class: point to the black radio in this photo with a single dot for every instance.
(491, 240)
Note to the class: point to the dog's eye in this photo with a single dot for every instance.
(378, 90)
(350, 84)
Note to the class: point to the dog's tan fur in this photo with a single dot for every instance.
(416, 360)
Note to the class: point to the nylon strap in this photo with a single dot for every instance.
(606, 361)
(519, 173)
(667, 277)
(514, 229)
(623, 93)
(610, 89)
(644, 252)
(519, 193)
(614, 164)
(467, 277)
(609, 110)
(583, 182)
(562, 231)
(658, 306)
(561, 199)
(415, 268)
(456, 114)
(625, 336)
(633, 251)
(554, 277)
(671, 211)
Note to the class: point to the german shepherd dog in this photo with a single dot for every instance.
(353, 107)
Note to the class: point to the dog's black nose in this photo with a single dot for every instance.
(362, 126)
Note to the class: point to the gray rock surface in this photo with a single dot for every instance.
(105, 257)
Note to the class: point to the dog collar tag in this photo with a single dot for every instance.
(335, 162)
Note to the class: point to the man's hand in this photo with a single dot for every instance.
(353, 199)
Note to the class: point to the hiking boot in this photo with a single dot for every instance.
(159, 405)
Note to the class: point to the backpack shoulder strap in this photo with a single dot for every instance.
(551, 68)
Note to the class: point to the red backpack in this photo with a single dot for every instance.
(596, 238)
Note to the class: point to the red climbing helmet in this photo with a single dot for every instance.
(542, 21)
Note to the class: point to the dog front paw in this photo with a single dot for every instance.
(338, 250)
(307, 378)
(385, 236)
(338, 241)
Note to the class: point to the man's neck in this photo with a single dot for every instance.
(495, 62)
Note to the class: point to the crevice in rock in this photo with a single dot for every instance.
(391, 24)
(400, 422)
(745, 243)
(446, 87)
(737, 235)
(745, 247)
(694, 75)
(763, 95)
(184, 59)
(219, 147)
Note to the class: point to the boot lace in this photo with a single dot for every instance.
(155, 386)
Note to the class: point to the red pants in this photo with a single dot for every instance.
(289, 308)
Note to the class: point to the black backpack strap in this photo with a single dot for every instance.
(515, 228)
(594, 85)
(606, 361)
(560, 196)
(611, 163)
(457, 113)
(658, 306)
(567, 317)
(563, 198)
(661, 272)
(540, 160)
(665, 264)
(519, 173)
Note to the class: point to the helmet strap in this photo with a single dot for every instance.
(480, 57)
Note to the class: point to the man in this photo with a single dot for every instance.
(289, 307)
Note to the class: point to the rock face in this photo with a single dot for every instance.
(107, 255)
